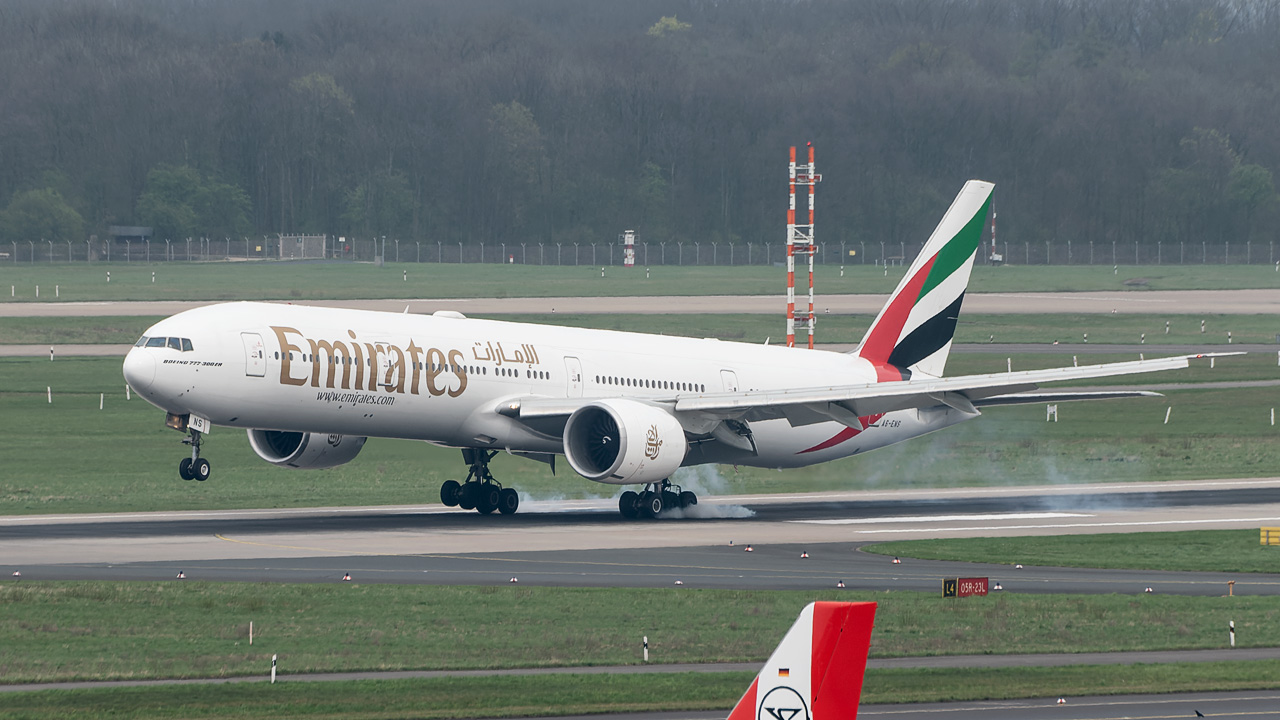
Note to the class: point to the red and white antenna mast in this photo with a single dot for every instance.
(800, 242)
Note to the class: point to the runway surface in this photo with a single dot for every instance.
(585, 543)
(1141, 302)
(1245, 705)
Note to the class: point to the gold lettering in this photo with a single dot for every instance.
(455, 356)
(435, 359)
(374, 365)
(359, 360)
(286, 349)
(414, 353)
(394, 368)
(337, 353)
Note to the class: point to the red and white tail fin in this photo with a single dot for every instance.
(816, 672)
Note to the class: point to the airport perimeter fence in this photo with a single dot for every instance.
(646, 254)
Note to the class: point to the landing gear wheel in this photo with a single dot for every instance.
(487, 499)
(629, 504)
(688, 499)
(200, 469)
(184, 469)
(508, 501)
(670, 499)
(449, 492)
(469, 495)
(651, 504)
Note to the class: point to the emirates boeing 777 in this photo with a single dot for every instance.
(311, 384)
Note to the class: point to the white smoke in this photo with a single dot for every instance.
(705, 481)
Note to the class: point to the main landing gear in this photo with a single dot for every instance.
(194, 467)
(479, 491)
(654, 499)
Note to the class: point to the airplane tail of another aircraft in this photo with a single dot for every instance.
(816, 671)
(913, 331)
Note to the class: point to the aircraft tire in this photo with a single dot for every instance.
(488, 498)
(469, 495)
(687, 499)
(508, 501)
(200, 469)
(651, 505)
(184, 469)
(670, 500)
(449, 492)
(628, 504)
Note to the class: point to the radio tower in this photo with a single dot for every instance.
(800, 242)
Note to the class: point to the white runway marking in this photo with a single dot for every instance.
(943, 518)
(1076, 525)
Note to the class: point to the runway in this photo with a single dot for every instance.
(1139, 302)
(585, 543)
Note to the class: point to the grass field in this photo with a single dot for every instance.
(318, 280)
(586, 694)
(69, 456)
(1065, 329)
(104, 630)
(1204, 550)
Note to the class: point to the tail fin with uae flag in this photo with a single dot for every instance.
(816, 672)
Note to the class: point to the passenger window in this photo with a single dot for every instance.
(141, 341)
(156, 342)
(186, 344)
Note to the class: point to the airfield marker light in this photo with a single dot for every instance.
(514, 579)
(1212, 360)
(840, 584)
(127, 395)
(1232, 627)
(1228, 337)
(17, 574)
(1167, 412)
(50, 353)
(997, 586)
(1017, 567)
(1074, 361)
(346, 577)
(250, 632)
(679, 582)
(1273, 417)
(108, 276)
(1086, 338)
(804, 555)
(748, 548)
(1142, 356)
(406, 276)
(1166, 327)
(1115, 270)
(897, 561)
(57, 293)
(37, 291)
(646, 648)
(1150, 590)
(1201, 327)
(991, 339)
(49, 392)
(273, 669)
(1062, 701)
(153, 277)
(1008, 364)
(1142, 340)
(101, 399)
(181, 575)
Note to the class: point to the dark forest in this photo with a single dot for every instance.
(570, 120)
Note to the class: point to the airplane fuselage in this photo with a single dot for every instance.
(441, 378)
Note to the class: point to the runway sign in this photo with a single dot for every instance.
(1271, 536)
(964, 587)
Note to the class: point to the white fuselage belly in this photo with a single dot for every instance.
(441, 379)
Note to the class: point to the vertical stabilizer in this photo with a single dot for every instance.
(913, 331)
(816, 672)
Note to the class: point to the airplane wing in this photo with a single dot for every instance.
(845, 403)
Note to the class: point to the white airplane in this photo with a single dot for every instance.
(311, 384)
(816, 671)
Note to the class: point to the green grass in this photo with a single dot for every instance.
(52, 631)
(1200, 550)
(49, 449)
(584, 694)
(317, 281)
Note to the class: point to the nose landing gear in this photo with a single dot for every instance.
(654, 500)
(194, 467)
(480, 491)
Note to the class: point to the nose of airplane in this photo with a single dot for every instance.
(139, 369)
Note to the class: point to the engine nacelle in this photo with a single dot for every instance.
(307, 451)
(623, 441)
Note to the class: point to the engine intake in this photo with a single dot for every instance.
(306, 451)
(623, 441)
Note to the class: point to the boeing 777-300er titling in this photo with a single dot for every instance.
(311, 384)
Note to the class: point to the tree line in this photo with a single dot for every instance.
(571, 120)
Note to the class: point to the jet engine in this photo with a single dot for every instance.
(307, 451)
(623, 441)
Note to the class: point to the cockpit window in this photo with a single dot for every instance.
(175, 343)
(141, 341)
(156, 342)
(186, 345)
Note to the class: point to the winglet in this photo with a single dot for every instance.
(816, 671)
